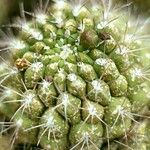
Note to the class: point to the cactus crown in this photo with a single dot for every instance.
(77, 77)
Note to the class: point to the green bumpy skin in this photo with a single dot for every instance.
(77, 77)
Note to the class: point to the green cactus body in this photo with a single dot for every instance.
(74, 80)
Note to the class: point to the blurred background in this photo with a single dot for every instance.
(10, 8)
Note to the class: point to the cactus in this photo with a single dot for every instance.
(76, 77)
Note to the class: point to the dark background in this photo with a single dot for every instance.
(10, 8)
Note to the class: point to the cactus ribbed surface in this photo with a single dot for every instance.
(76, 78)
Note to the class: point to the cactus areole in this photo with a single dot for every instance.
(76, 78)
